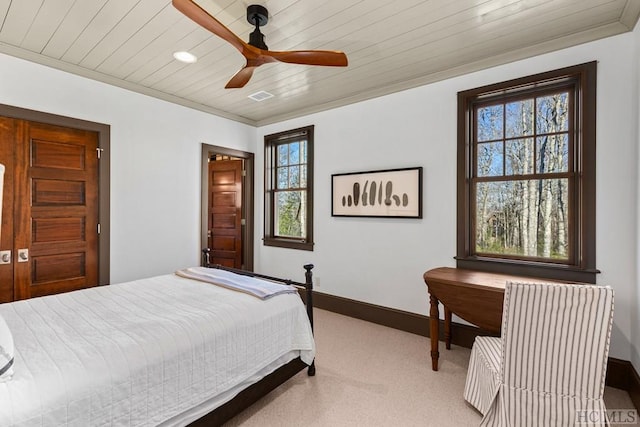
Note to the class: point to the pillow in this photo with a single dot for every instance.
(6, 352)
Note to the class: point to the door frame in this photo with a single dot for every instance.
(104, 172)
(247, 198)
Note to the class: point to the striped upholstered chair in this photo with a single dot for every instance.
(548, 368)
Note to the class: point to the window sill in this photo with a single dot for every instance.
(526, 268)
(290, 244)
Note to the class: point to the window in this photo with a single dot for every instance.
(289, 189)
(526, 176)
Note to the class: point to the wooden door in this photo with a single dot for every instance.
(54, 185)
(8, 130)
(225, 212)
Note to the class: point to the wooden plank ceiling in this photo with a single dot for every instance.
(391, 45)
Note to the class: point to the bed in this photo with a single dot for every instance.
(164, 351)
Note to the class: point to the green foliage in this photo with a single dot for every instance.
(290, 214)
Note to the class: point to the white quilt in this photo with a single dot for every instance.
(142, 352)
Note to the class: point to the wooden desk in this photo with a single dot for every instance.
(474, 296)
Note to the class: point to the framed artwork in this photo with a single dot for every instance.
(391, 193)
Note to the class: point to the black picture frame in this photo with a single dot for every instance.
(389, 193)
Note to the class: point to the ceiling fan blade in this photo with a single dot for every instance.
(331, 58)
(241, 78)
(197, 14)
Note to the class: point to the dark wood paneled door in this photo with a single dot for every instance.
(54, 191)
(9, 130)
(225, 212)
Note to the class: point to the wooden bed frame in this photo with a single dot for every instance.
(253, 393)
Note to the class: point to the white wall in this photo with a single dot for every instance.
(155, 161)
(381, 261)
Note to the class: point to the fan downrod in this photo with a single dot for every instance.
(259, 16)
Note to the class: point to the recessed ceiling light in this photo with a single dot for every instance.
(261, 96)
(184, 56)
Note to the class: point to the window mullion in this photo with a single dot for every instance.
(504, 135)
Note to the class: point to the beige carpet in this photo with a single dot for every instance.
(370, 375)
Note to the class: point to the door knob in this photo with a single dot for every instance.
(5, 257)
(23, 255)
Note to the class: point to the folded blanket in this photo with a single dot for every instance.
(259, 288)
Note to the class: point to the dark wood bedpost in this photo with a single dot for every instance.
(206, 257)
(308, 284)
(308, 276)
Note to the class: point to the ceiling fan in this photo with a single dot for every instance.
(256, 51)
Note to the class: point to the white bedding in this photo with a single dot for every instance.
(143, 352)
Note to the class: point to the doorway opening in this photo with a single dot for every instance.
(227, 206)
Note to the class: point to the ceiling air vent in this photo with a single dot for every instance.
(261, 96)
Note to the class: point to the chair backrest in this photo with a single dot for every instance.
(555, 337)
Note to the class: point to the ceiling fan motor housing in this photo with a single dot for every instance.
(259, 16)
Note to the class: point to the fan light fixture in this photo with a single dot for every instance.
(186, 57)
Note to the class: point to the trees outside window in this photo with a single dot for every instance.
(289, 189)
(526, 176)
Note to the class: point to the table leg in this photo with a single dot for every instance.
(434, 318)
(447, 328)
